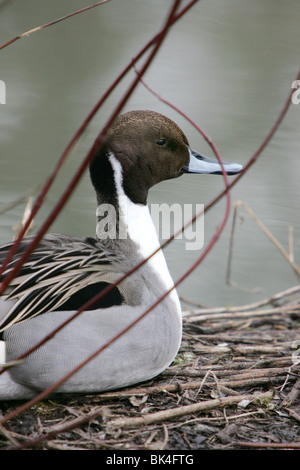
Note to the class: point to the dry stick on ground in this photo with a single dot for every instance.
(234, 380)
(271, 445)
(232, 374)
(293, 414)
(186, 409)
(253, 306)
(200, 316)
(10, 436)
(292, 395)
(163, 415)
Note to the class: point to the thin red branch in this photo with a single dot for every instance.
(262, 146)
(51, 23)
(52, 389)
(109, 288)
(270, 445)
(75, 180)
(104, 291)
(157, 39)
(198, 261)
(250, 162)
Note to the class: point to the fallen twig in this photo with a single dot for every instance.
(249, 307)
(185, 410)
(292, 395)
(204, 315)
(271, 445)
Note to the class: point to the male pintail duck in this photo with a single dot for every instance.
(141, 149)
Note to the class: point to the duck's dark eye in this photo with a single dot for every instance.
(161, 142)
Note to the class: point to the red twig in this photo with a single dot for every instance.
(70, 146)
(51, 389)
(156, 40)
(51, 23)
(264, 143)
(270, 445)
(159, 39)
(251, 161)
(198, 261)
(107, 289)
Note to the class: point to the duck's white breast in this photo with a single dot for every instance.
(137, 224)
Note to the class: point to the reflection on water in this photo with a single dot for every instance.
(228, 65)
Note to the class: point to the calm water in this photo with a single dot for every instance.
(229, 65)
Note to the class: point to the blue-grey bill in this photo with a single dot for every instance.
(201, 164)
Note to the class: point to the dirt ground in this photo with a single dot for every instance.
(234, 385)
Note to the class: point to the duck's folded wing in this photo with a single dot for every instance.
(61, 274)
